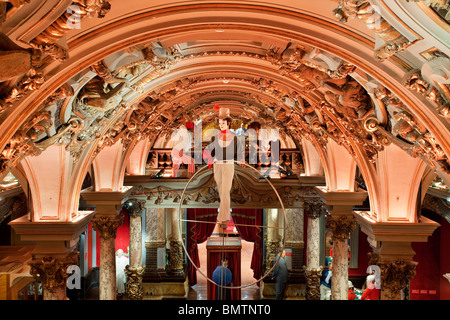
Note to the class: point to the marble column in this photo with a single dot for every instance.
(155, 242)
(135, 269)
(313, 270)
(52, 274)
(176, 248)
(272, 238)
(340, 227)
(295, 236)
(106, 221)
(341, 222)
(107, 226)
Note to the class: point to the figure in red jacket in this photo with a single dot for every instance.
(371, 293)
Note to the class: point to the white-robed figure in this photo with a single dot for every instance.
(182, 145)
(121, 263)
(222, 151)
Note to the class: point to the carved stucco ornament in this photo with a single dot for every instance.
(134, 288)
(51, 272)
(107, 226)
(363, 10)
(340, 226)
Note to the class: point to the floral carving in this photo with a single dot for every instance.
(107, 226)
(51, 272)
(341, 226)
(134, 288)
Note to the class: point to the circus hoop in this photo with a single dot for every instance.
(185, 220)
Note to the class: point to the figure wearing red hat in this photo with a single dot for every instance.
(222, 151)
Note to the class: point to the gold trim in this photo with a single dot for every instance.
(392, 13)
(434, 16)
(42, 20)
(319, 43)
(429, 54)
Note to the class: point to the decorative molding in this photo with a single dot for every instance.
(134, 288)
(313, 283)
(395, 42)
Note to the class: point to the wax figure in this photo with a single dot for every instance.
(222, 151)
(121, 263)
(180, 151)
(280, 274)
(325, 280)
(351, 291)
(371, 292)
(223, 276)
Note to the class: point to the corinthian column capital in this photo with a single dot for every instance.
(52, 272)
(137, 207)
(395, 276)
(341, 226)
(314, 208)
(107, 226)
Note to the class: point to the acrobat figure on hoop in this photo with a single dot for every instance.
(224, 148)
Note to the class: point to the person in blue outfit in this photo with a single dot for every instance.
(223, 276)
(280, 274)
(325, 280)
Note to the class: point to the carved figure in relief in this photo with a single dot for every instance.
(348, 97)
(99, 96)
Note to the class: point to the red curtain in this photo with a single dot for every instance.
(198, 232)
(244, 220)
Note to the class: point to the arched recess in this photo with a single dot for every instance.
(342, 168)
(312, 160)
(135, 163)
(85, 51)
(49, 180)
(400, 177)
(108, 167)
(174, 23)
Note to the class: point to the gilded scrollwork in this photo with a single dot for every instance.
(46, 41)
(107, 226)
(51, 272)
(134, 288)
(340, 226)
(23, 142)
(363, 10)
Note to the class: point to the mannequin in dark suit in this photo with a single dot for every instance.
(280, 274)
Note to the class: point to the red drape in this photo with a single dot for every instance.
(198, 232)
(250, 217)
(216, 258)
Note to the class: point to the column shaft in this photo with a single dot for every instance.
(107, 226)
(107, 284)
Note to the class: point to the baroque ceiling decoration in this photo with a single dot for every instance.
(316, 95)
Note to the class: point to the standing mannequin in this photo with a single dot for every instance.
(325, 281)
(121, 263)
(280, 274)
(223, 276)
(183, 142)
(222, 151)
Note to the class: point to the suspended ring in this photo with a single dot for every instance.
(184, 247)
